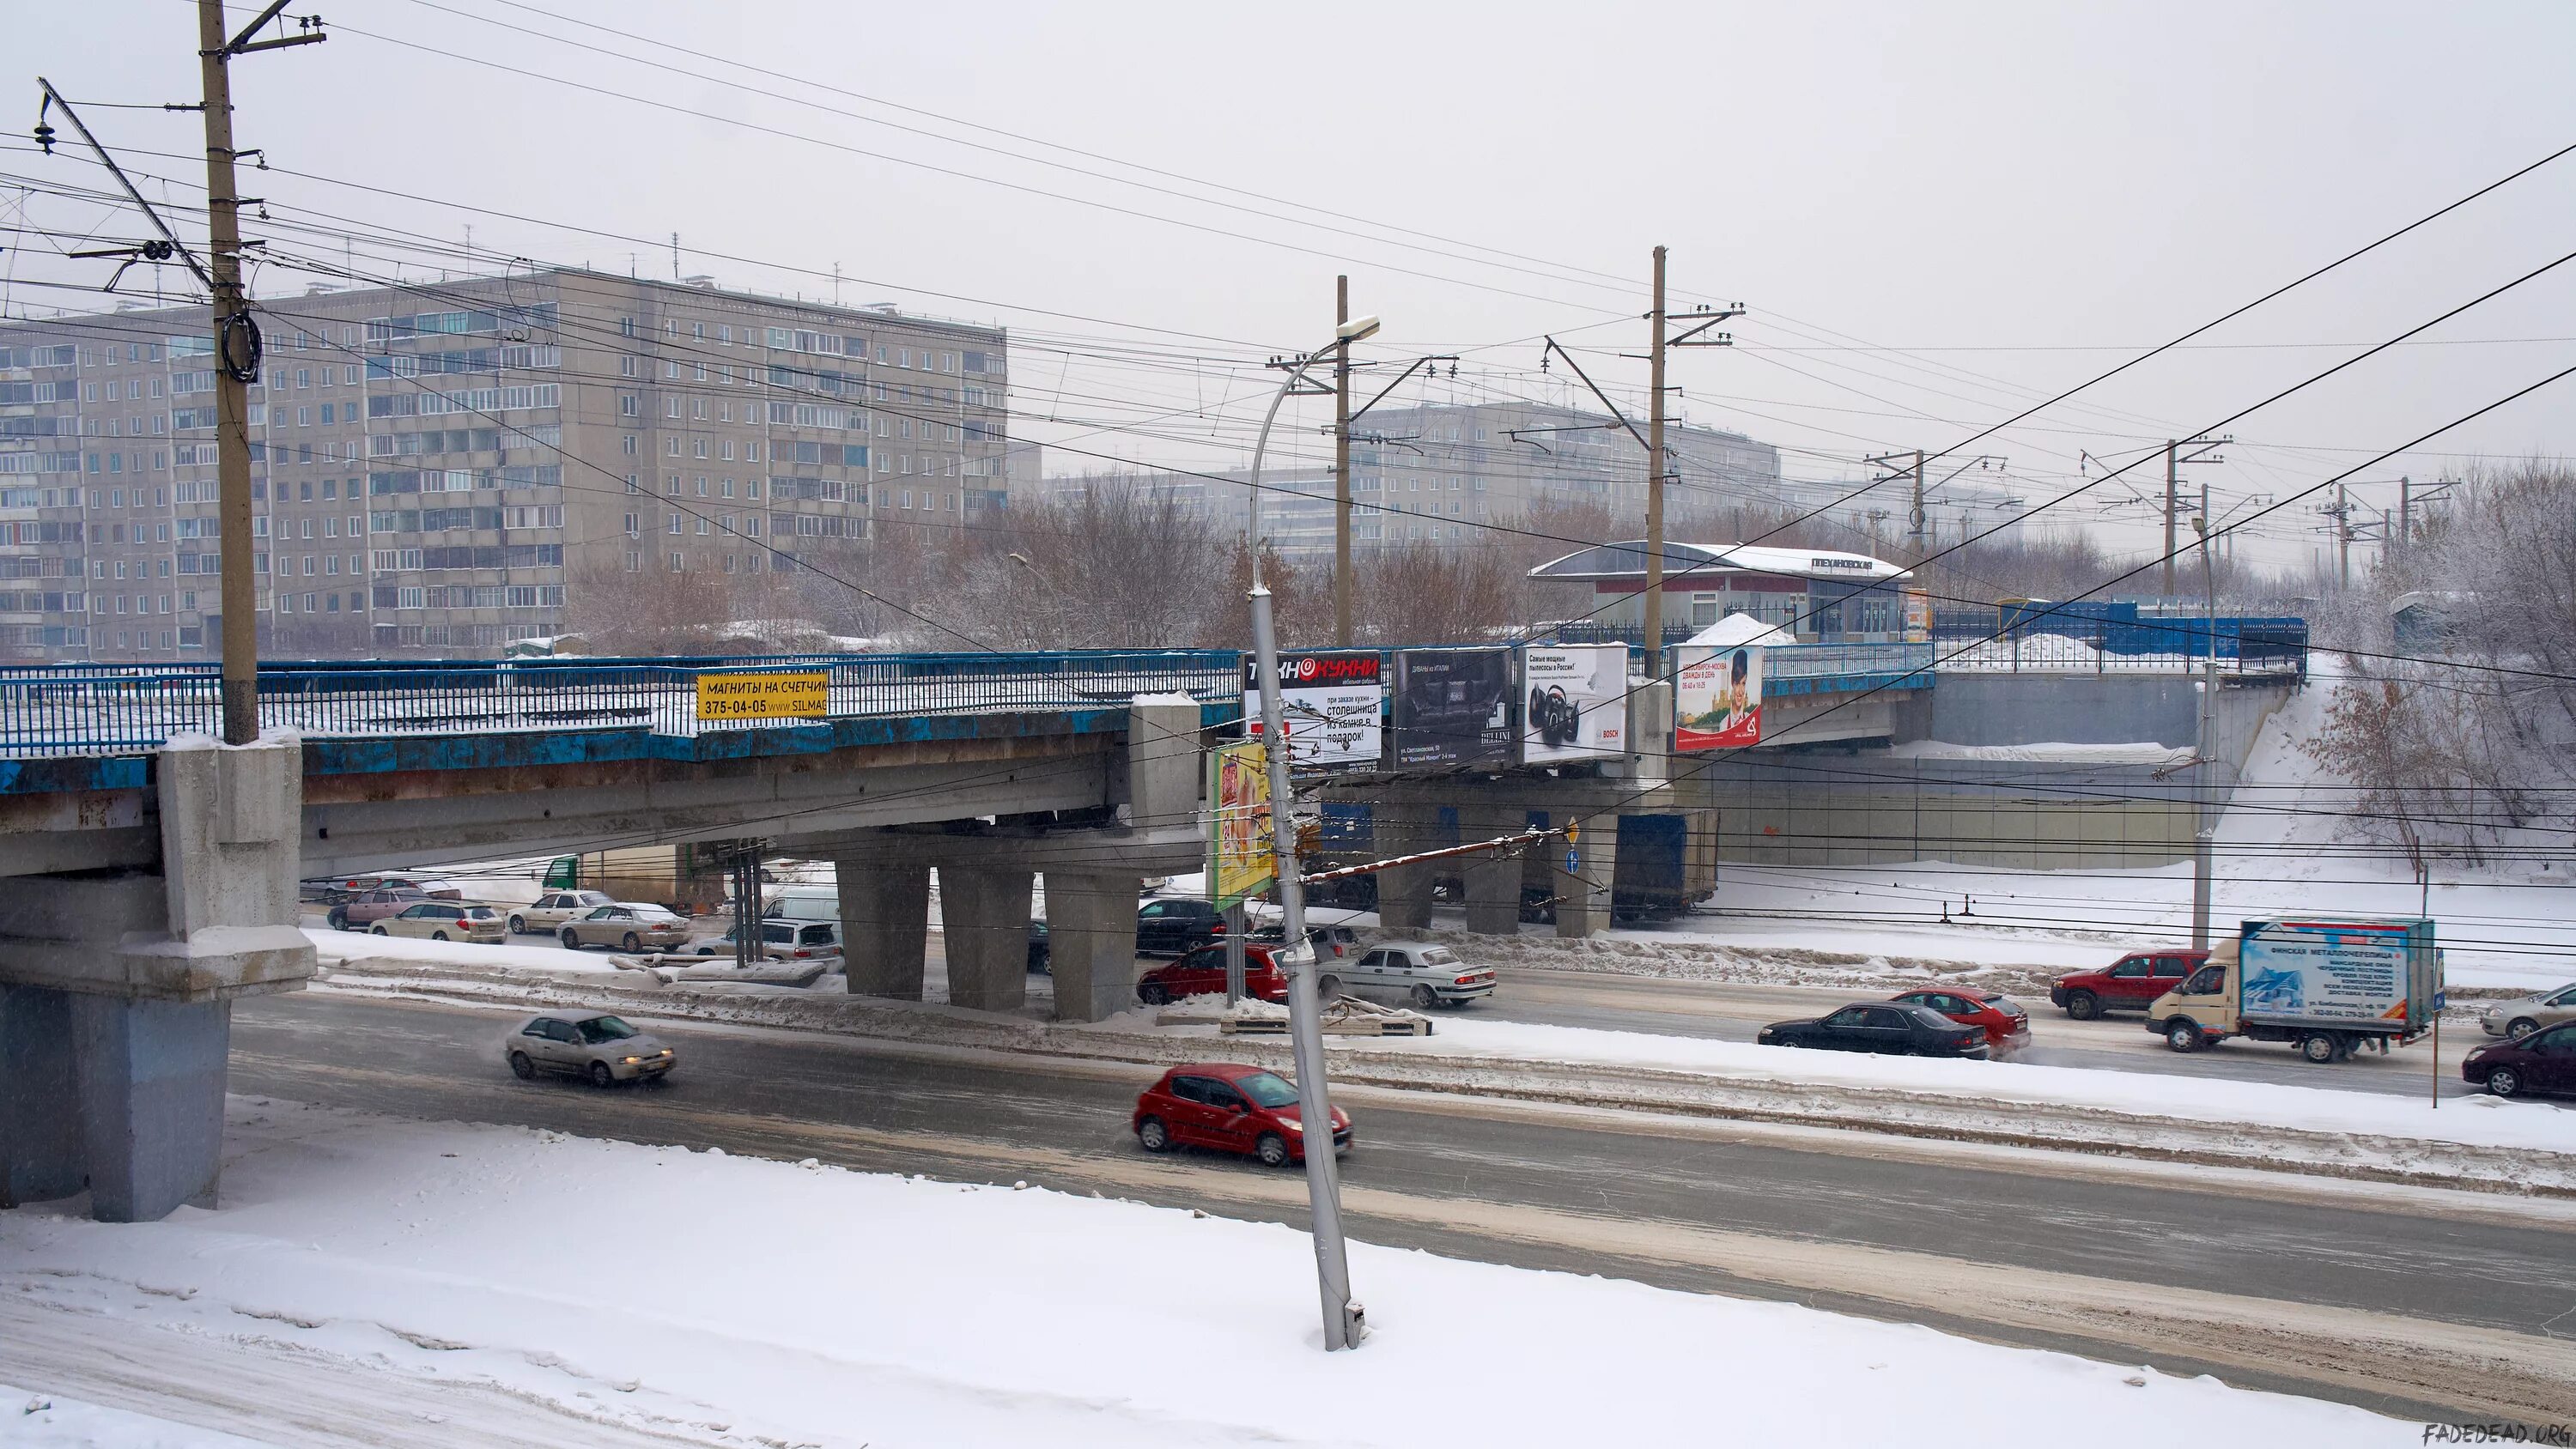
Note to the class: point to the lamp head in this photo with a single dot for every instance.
(1358, 329)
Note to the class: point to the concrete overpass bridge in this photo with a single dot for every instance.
(148, 874)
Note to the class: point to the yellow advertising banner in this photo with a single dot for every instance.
(1242, 860)
(763, 696)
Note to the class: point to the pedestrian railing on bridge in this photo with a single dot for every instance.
(2034, 641)
(87, 709)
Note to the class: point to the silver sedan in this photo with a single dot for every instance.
(593, 1045)
(2528, 1014)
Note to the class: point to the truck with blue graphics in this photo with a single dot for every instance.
(2326, 984)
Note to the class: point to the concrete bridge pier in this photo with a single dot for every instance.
(1494, 879)
(984, 914)
(1094, 860)
(1404, 891)
(1091, 942)
(116, 987)
(885, 924)
(1583, 895)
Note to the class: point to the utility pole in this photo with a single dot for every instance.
(2405, 488)
(1655, 483)
(2343, 540)
(1918, 516)
(2173, 477)
(237, 357)
(1341, 467)
(1701, 319)
(2174, 459)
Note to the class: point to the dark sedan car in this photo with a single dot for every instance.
(1893, 1028)
(2543, 1061)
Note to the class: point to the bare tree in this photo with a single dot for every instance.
(2464, 743)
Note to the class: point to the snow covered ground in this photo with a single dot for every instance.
(597, 1281)
(53, 1421)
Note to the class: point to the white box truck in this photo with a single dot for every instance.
(2325, 984)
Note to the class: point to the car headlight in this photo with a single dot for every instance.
(1292, 1124)
(634, 1061)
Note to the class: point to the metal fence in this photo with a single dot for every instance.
(1989, 641)
(91, 709)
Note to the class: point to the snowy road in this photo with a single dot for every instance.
(1722, 1011)
(2403, 1300)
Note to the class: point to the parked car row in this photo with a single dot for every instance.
(2537, 1052)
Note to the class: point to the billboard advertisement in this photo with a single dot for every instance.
(1329, 706)
(1717, 700)
(1454, 707)
(2337, 970)
(1577, 697)
(1918, 616)
(1241, 858)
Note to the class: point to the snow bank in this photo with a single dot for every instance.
(882, 1310)
(2466, 1121)
(336, 948)
(51, 1421)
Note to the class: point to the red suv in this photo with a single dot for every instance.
(1202, 973)
(1230, 1107)
(2131, 983)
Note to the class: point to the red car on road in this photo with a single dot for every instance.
(1232, 1108)
(1202, 973)
(2006, 1025)
(2131, 983)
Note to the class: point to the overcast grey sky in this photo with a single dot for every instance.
(1931, 211)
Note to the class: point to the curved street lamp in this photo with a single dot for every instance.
(1344, 1321)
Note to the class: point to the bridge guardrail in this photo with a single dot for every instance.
(90, 709)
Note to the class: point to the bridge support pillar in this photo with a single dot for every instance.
(117, 1010)
(1583, 894)
(1404, 891)
(40, 1117)
(1493, 880)
(984, 911)
(1091, 943)
(885, 925)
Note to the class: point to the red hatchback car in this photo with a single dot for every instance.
(1232, 1108)
(1202, 973)
(2007, 1026)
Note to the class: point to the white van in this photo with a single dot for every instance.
(804, 903)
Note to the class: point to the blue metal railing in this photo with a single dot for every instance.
(89, 709)
(79, 709)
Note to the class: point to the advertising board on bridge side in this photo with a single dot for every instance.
(1329, 705)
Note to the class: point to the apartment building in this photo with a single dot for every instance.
(436, 467)
(1430, 473)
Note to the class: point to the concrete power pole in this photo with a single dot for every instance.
(2343, 540)
(1341, 468)
(2173, 480)
(1655, 483)
(2405, 502)
(1918, 517)
(237, 358)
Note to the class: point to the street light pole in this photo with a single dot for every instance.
(1344, 1321)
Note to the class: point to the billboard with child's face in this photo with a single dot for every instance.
(1717, 700)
